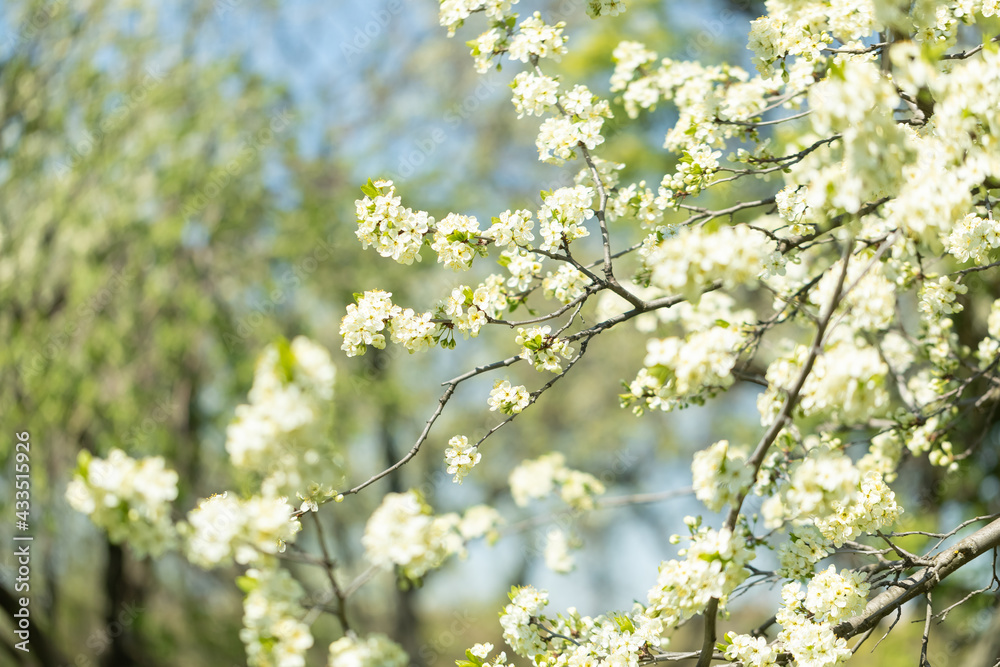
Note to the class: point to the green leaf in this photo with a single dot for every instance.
(370, 189)
(286, 359)
(661, 373)
(83, 462)
(624, 623)
(246, 584)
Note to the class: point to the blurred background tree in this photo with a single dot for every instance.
(176, 191)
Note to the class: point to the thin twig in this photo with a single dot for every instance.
(927, 633)
(329, 566)
(757, 458)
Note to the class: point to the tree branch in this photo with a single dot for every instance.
(927, 578)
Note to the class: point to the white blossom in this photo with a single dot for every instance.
(536, 38)
(404, 532)
(533, 94)
(461, 457)
(374, 650)
(557, 555)
(542, 349)
(129, 498)
(507, 398)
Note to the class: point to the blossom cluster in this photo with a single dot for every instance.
(561, 217)
(579, 124)
(819, 484)
(537, 478)
(523, 267)
(541, 349)
(533, 94)
(404, 532)
(508, 399)
(870, 305)
(511, 227)
(456, 241)
(274, 632)
(805, 547)
(519, 630)
(461, 457)
(400, 233)
(694, 259)
(713, 566)
(807, 619)
(365, 321)
(580, 114)
(393, 230)
(537, 38)
(573, 639)
(856, 102)
(714, 104)
(224, 528)
(825, 500)
(479, 656)
(721, 474)
(940, 297)
(973, 237)
(465, 310)
(470, 309)
(566, 285)
(278, 434)
(848, 380)
(557, 555)
(989, 347)
(679, 371)
(374, 650)
(873, 509)
(129, 498)
(453, 13)
(648, 207)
